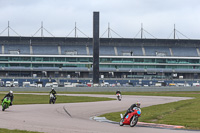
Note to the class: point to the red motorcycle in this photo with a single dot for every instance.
(131, 118)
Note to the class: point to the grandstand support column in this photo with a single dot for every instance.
(96, 43)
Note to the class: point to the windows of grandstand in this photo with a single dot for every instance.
(83, 60)
(160, 61)
(150, 66)
(14, 51)
(48, 65)
(71, 52)
(74, 65)
(14, 59)
(19, 65)
(127, 60)
(3, 65)
(105, 60)
(36, 65)
(37, 59)
(139, 60)
(149, 60)
(3, 58)
(21, 59)
(71, 59)
(160, 66)
(59, 59)
(47, 59)
(161, 53)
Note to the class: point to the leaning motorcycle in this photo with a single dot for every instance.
(119, 96)
(6, 103)
(52, 99)
(131, 118)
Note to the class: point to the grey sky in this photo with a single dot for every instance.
(125, 17)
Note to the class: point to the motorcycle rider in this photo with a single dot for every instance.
(137, 104)
(118, 92)
(53, 92)
(10, 94)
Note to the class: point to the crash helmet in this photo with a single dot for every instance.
(52, 89)
(11, 92)
(138, 104)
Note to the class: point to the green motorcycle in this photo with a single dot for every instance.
(6, 103)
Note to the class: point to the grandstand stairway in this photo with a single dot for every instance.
(116, 53)
(31, 49)
(171, 52)
(143, 51)
(87, 50)
(3, 49)
(198, 52)
(59, 50)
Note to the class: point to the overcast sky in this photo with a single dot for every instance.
(125, 17)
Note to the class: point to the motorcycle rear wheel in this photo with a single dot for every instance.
(133, 121)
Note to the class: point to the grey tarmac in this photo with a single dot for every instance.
(75, 117)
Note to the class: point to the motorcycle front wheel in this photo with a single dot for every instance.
(50, 101)
(121, 122)
(4, 107)
(133, 121)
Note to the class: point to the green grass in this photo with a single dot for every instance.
(2, 130)
(185, 113)
(44, 99)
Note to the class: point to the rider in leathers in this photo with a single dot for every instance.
(53, 92)
(10, 94)
(137, 104)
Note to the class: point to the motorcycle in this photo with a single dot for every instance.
(52, 99)
(131, 118)
(6, 103)
(119, 96)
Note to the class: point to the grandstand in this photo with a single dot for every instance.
(119, 57)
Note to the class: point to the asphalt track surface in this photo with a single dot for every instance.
(76, 117)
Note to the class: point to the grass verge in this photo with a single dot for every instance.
(2, 130)
(44, 99)
(185, 113)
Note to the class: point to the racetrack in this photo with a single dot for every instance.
(75, 117)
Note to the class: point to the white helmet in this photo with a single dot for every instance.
(138, 104)
(11, 92)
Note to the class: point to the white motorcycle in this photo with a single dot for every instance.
(52, 99)
(119, 96)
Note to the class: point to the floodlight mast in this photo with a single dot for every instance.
(96, 42)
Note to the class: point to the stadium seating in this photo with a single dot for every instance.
(45, 49)
(104, 50)
(73, 49)
(157, 51)
(184, 51)
(16, 49)
(137, 50)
